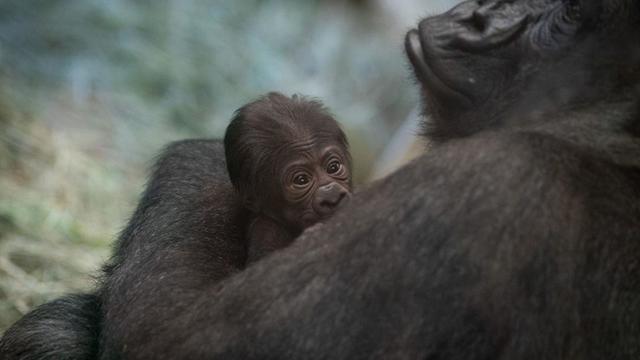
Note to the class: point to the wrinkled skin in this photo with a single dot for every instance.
(482, 64)
(516, 237)
(290, 163)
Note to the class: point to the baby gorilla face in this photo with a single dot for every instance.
(313, 179)
(289, 161)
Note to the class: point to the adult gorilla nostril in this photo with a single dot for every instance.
(473, 16)
(478, 21)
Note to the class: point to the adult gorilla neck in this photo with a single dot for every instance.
(607, 128)
(580, 123)
(609, 113)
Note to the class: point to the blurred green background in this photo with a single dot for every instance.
(91, 90)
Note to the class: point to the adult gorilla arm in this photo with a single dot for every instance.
(65, 328)
(184, 237)
(515, 238)
(186, 234)
(459, 262)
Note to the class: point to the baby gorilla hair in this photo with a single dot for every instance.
(289, 161)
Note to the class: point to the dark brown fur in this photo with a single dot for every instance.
(267, 143)
(516, 237)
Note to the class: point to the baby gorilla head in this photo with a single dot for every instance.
(290, 163)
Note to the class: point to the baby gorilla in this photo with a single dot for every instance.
(289, 161)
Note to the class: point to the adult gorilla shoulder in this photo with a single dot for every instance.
(188, 223)
(171, 230)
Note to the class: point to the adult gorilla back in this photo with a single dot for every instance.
(516, 237)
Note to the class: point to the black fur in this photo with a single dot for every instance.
(515, 238)
(66, 328)
(189, 219)
(184, 237)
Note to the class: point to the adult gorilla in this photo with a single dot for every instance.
(516, 237)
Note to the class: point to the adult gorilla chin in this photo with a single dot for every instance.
(516, 237)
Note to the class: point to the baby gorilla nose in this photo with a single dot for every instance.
(328, 197)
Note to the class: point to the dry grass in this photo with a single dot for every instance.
(63, 198)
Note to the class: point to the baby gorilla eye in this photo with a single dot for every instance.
(334, 167)
(301, 179)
